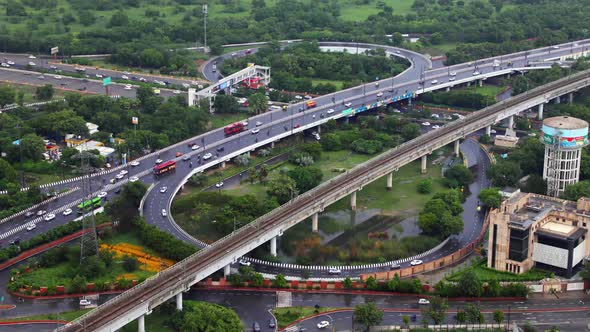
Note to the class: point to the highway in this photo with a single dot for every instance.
(137, 301)
(275, 124)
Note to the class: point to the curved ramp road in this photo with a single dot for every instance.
(141, 299)
(279, 124)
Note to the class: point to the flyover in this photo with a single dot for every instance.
(279, 124)
(140, 300)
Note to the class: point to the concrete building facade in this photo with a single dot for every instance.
(530, 230)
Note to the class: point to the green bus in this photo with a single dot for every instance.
(89, 205)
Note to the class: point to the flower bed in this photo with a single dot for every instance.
(148, 262)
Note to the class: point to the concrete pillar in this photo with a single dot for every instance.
(508, 75)
(511, 122)
(141, 323)
(319, 129)
(314, 223)
(468, 83)
(272, 145)
(410, 101)
(424, 161)
(489, 130)
(540, 113)
(273, 246)
(448, 89)
(353, 201)
(480, 82)
(179, 301)
(457, 145)
(557, 100)
(223, 164)
(389, 181)
(226, 270)
(570, 98)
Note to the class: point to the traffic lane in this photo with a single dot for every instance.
(250, 306)
(45, 327)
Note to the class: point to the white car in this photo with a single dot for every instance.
(85, 302)
(134, 163)
(435, 127)
(475, 73)
(219, 184)
(41, 77)
(555, 47)
(234, 54)
(330, 111)
(207, 156)
(31, 227)
(195, 147)
(141, 79)
(245, 123)
(12, 62)
(416, 262)
(98, 75)
(133, 179)
(423, 301)
(452, 73)
(120, 176)
(164, 213)
(127, 87)
(348, 104)
(258, 123)
(380, 94)
(434, 82)
(298, 97)
(323, 324)
(57, 77)
(452, 78)
(493, 131)
(125, 77)
(123, 172)
(31, 63)
(163, 189)
(4, 64)
(32, 57)
(334, 271)
(176, 92)
(41, 212)
(244, 262)
(159, 161)
(49, 217)
(255, 131)
(426, 123)
(186, 85)
(67, 212)
(102, 194)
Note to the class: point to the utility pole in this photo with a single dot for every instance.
(205, 13)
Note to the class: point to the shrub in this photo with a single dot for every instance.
(424, 186)
(130, 263)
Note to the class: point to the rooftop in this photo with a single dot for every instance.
(565, 122)
(558, 228)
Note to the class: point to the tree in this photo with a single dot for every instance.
(368, 314)
(283, 188)
(498, 316)
(280, 282)
(470, 284)
(458, 176)
(119, 19)
(257, 103)
(573, 192)
(44, 92)
(504, 173)
(130, 263)
(528, 327)
(306, 178)
(406, 320)
(461, 317)
(437, 310)
(203, 316)
(32, 147)
(473, 314)
(7, 95)
(7, 173)
(331, 142)
(371, 283)
(424, 186)
(490, 197)
(226, 104)
(347, 283)
(242, 160)
(585, 273)
(410, 131)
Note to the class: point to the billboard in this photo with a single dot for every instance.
(134, 120)
(106, 81)
(569, 138)
(54, 50)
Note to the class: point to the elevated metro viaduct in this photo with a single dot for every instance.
(140, 300)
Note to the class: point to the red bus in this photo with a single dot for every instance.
(234, 128)
(165, 167)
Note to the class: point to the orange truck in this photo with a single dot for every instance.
(311, 103)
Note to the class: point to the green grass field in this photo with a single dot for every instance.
(487, 90)
(351, 11)
(66, 315)
(288, 315)
(317, 81)
(486, 274)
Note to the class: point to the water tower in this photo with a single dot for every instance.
(564, 137)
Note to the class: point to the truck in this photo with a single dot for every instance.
(234, 128)
(311, 103)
